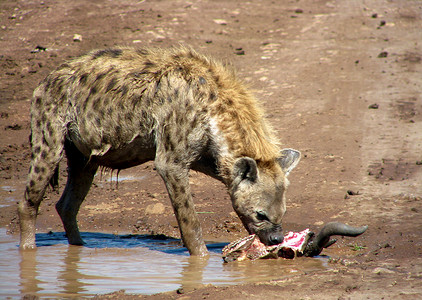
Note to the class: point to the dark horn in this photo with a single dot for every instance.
(322, 239)
(336, 228)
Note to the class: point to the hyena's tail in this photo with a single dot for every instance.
(54, 181)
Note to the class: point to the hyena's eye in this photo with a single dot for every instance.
(261, 216)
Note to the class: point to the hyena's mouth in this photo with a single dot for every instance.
(272, 236)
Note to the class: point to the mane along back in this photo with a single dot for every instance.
(241, 119)
(238, 114)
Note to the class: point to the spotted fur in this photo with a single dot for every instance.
(122, 106)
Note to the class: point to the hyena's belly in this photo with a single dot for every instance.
(114, 149)
(130, 155)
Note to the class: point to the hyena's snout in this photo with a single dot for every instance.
(271, 236)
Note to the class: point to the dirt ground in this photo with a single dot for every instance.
(341, 82)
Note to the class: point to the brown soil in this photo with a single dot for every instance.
(341, 82)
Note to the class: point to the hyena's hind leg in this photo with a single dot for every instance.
(81, 172)
(47, 151)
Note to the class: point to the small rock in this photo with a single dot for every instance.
(374, 15)
(77, 37)
(373, 106)
(299, 11)
(352, 193)
(220, 21)
(39, 49)
(239, 51)
(380, 271)
(383, 54)
(14, 127)
(385, 245)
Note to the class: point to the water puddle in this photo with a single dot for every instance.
(136, 263)
(7, 201)
(8, 188)
(6, 195)
(115, 178)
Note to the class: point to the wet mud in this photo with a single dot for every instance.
(317, 69)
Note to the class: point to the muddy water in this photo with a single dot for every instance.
(137, 264)
(6, 195)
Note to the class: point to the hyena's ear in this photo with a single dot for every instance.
(288, 160)
(245, 168)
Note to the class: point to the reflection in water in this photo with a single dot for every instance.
(135, 263)
(9, 265)
(192, 272)
(30, 284)
(70, 275)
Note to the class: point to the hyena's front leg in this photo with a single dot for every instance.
(176, 178)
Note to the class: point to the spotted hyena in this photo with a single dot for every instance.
(122, 107)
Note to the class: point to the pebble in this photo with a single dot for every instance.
(39, 49)
(220, 21)
(383, 54)
(380, 271)
(239, 52)
(77, 37)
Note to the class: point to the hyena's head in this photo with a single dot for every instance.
(258, 194)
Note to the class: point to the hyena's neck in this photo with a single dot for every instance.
(239, 128)
(217, 160)
(223, 157)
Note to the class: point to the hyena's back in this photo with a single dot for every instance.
(121, 107)
(109, 99)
